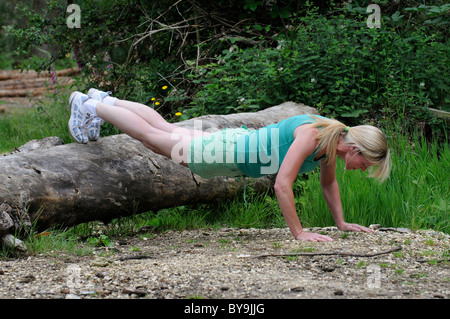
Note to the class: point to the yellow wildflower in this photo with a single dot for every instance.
(157, 103)
(178, 114)
(153, 98)
(164, 87)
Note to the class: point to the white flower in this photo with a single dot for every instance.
(422, 84)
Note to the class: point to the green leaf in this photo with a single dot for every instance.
(413, 9)
(257, 27)
(252, 5)
(285, 12)
(396, 16)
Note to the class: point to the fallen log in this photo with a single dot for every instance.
(15, 84)
(114, 176)
(17, 74)
(23, 92)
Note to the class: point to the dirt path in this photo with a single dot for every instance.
(221, 264)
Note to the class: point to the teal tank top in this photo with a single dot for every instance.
(261, 152)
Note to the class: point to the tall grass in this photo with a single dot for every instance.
(417, 194)
(47, 117)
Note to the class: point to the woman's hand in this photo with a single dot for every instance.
(312, 237)
(354, 227)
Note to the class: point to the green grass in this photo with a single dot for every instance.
(6, 61)
(48, 117)
(415, 196)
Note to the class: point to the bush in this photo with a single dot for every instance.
(338, 65)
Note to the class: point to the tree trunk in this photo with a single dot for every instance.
(114, 176)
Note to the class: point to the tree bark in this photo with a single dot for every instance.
(114, 176)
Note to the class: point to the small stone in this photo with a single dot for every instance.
(12, 242)
(327, 268)
(128, 290)
(6, 222)
(27, 279)
(102, 291)
(339, 292)
(99, 262)
(140, 292)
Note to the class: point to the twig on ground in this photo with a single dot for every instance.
(328, 253)
(437, 261)
(135, 257)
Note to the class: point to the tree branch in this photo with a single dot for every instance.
(327, 253)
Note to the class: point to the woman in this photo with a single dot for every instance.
(295, 145)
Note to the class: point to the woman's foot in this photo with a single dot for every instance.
(80, 120)
(94, 130)
(97, 94)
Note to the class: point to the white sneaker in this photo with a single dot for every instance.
(97, 94)
(94, 129)
(80, 119)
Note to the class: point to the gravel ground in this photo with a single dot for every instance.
(217, 264)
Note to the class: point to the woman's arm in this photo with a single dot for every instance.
(301, 148)
(330, 190)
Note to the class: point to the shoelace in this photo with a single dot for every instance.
(89, 118)
(108, 93)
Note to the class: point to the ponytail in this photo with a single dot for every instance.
(370, 141)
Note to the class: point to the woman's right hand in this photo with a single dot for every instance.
(307, 236)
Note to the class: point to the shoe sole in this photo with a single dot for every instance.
(93, 137)
(71, 98)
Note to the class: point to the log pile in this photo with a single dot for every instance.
(31, 84)
(46, 185)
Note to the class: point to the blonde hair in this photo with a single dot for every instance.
(370, 140)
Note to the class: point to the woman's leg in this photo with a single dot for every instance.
(152, 117)
(148, 127)
(148, 114)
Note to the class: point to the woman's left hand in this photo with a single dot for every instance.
(354, 227)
